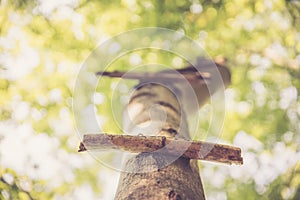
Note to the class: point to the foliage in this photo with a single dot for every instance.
(43, 44)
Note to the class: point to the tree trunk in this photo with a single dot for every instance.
(154, 110)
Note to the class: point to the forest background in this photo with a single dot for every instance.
(44, 43)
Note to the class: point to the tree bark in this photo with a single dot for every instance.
(153, 108)
(136, 144)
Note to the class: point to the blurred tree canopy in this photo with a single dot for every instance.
(44, 43)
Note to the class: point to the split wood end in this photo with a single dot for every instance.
(81, 147)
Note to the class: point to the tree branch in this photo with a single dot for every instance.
(144, 76)
(188, 149)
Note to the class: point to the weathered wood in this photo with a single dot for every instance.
(163, 168)
(155, 109)
(188, 149)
